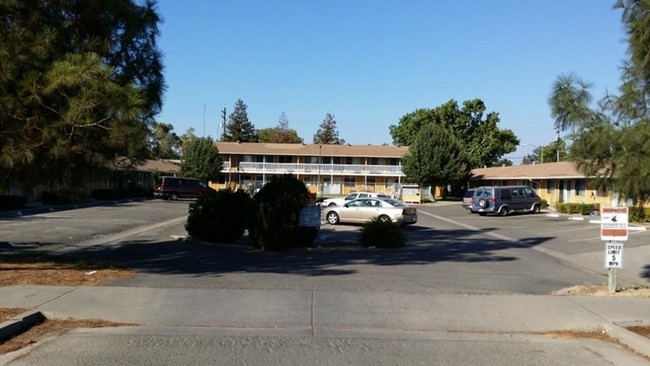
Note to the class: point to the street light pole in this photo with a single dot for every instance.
(320, 155)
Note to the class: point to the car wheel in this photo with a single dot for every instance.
(173, 196)
(384, 219)
(536, 209)
(503, 211)
(483, 203)
(333, 218)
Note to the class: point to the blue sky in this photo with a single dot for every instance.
(371, 62)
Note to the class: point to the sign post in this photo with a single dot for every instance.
(613, 230)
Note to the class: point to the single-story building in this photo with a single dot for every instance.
(554, 182)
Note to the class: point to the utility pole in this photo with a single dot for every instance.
(223, 122)
(557, 145)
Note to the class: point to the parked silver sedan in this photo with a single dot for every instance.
(364, 209)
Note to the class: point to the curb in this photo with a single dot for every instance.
(19, 324)
(635, 342)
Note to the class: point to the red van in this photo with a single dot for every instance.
(174, 188)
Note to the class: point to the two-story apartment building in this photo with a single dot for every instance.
(325, 169)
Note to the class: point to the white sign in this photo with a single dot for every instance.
(613, 255)
(613, 223)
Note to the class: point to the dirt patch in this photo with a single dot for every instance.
(8, 313)
(57, 274)
(603, 291)
(600, 335)
(51, 327)
(36, 270)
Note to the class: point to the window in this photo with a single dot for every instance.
(350, 182)
(550, 186)
(529, 192)
(285, 159)
(580, 187)
(259, 158)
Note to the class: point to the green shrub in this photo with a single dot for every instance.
(12, 202)
(274, 224)
(67, 196)
(49, 197)
(543, 204)
(219, 216)
(639, 214)
(575, 208)
(108, 194)
(382, 234)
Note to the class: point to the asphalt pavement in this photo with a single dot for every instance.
(336, 313)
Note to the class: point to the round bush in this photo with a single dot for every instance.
(219, 216)
(382, 234)
(277, 209)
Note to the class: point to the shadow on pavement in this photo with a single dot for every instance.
(425, 246)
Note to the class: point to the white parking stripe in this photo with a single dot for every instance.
(466, 226)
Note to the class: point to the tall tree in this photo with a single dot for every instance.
(479, 132)
(201, 159)
(436, 157)
(610, 140)
(239, 128)
(79, 81)
(281, 134)
(547, 153)
(163, 142)
(327, 133)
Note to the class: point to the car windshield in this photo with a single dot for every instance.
(395, 203)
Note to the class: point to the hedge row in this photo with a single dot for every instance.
(636, 214)
(575, 208)
(639, 214)
(12, 202)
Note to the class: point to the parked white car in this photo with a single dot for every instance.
(340, 201)
(365, 209)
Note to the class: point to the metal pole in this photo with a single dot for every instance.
(611, 280)
(557, 147)
(320, 154)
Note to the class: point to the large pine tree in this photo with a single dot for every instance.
(239, 128)
(327, 134)
(80, 80)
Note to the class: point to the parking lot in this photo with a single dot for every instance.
(448, 250)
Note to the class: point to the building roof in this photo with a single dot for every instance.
(251, 148)
(559, 170)
(162, 166)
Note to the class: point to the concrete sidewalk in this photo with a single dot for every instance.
(338, 312)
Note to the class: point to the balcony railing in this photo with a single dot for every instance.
(313, 169)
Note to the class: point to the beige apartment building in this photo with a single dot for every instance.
(325, 169)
